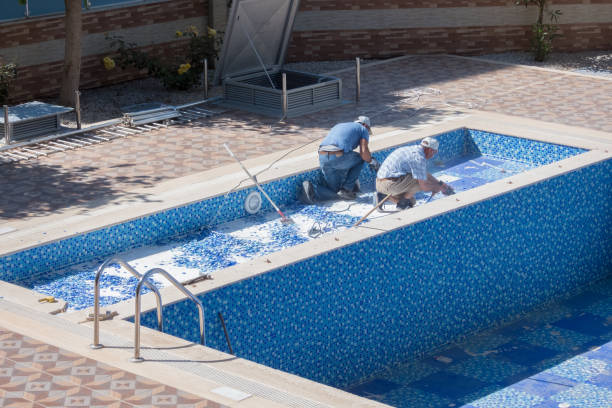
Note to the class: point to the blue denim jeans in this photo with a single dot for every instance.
(338, 172)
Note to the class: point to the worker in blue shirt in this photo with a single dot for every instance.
(340, 165)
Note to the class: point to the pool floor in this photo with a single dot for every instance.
(556, 356)
(223, 245)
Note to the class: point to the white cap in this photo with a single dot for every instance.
(430, 142)
(364, 120)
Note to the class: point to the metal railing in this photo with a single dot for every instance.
(96, 318)
(144, 280)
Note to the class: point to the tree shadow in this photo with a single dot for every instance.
(34, 190)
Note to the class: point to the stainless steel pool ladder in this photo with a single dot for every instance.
(160, 323)
(144, 280)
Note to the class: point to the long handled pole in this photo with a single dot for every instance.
(284, 218)
(372, 210)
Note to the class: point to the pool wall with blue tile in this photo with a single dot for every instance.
(148, 230)
(341, 315)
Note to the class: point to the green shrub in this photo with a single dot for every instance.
(541, 42)
(542, 34)
(182, 72)
(8, 72)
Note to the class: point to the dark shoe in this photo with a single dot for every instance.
(377, 198)
(357, 187)
(307, 195)
(347, 195)
(404, 203)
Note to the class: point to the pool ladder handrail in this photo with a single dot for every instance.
(96, 318)
(137, 358)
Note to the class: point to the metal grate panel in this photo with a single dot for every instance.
(306, 93)
(32, 128)
(270, 100)
(326, 93)
(299, 99)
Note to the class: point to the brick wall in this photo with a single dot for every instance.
(335, 29)
(42, 79)
(324, 30)
(39, 29)
(330, 45)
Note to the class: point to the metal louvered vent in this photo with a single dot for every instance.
(31, 119)
(306, 93)
(35, 127)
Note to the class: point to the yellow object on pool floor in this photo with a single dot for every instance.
(48, 299)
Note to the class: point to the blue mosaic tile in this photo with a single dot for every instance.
(583, 300)
(508, 398)
(374, 387)
(487, 369)
(603, 287)
(529, 151)
(603, 352)
(486, 343)
(544, 389)
(408, 372)
(602, 308)
(549, 314)
(556, 338)
(448, 385)
(525, 354)
(407, 397)
(603, 380)
(580, 368)
(451, 355)
(585, 396)
(585, 323)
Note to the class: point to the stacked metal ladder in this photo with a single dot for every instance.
(105, 132)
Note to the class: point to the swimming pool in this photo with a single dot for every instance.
(218, 246)
(220, 241)
(341, 314)
(346, 304)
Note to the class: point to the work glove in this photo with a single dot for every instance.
(374, 165)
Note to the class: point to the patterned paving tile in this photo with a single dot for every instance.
(35, 374)
(110, 171)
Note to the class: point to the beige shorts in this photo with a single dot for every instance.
(399, 187)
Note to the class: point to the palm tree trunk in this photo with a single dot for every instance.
(71, 71)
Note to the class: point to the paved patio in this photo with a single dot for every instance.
(422, 88)
(92, 177)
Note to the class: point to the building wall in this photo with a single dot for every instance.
(36, 45)
(340, 29)
(324, 30)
